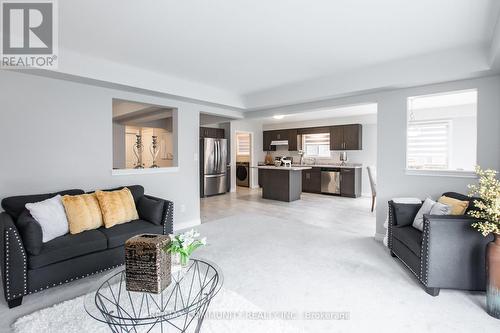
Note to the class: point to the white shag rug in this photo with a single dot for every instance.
(71, 317)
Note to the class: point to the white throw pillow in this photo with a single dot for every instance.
(418, 222)
(51, 215)
(440, 209)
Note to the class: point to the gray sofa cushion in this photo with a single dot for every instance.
(150, 210)
(68, 247)
(31, 232)
(118, 234)
(405, 213)
(410, 237)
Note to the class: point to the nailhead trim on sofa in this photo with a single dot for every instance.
(424, 250)
(7, 254)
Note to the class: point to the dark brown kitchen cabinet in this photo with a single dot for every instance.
(336, 138)
(209, 132)
(311, 180)
(266, 141)
(346, 137)
(292, 140)
(350, 182)
(280, 135)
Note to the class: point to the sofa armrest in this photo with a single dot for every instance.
(167, 216)
(13, 259)
(453, 253)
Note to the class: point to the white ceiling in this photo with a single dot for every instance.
(246, 48)
(338, 112)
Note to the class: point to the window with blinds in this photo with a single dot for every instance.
(428, 145)
(442, 131)
(316, 145)
(243, 144)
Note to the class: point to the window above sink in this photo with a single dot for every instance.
(316, 145)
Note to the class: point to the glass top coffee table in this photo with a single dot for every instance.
(181, 307)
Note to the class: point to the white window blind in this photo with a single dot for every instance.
(428, 145)
(243, 144)
(316, 144)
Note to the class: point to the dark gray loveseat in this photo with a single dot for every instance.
(447, 254)
(29, 266)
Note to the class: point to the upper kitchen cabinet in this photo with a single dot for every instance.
(266, 141)
(278, 135)
(292, 140)
(209, 132)
(346, 137)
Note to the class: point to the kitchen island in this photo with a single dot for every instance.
(281, 183)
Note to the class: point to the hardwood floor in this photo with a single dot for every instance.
(314, 209)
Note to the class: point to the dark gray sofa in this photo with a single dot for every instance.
(447, 254)
(29, 266)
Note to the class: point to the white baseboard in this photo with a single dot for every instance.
(187, 224)
(379, 237)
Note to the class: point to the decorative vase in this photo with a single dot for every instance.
(138, 147)
(179, 262)
(493, 277)
(154, 149)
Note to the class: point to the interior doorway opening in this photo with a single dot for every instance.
(243, 159)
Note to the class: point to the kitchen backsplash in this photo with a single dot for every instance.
(334, 156)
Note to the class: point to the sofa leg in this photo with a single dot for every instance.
(432, 291)
(15, 302)
(393, 255)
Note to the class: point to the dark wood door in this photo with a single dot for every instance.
(292, 140)
(352, 137)
(311, 180)
(347, 182)
(336, 137)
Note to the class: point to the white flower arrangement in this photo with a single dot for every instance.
(488, 208)
(185, 244)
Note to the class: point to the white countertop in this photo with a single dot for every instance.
(292, 168)
(350, 166)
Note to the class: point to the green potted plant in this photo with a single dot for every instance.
(487, 211)
(182, 246)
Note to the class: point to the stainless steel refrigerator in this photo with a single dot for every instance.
(213, 166)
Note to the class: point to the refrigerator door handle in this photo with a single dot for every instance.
(215, 176)
(216, 157)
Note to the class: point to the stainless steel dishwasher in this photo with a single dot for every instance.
(330, 180)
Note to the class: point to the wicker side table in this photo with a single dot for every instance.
(147, 266)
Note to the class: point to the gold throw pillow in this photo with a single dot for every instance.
(458, 207)
(83, 212)
(117, 207)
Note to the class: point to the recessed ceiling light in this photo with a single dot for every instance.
(279, 116)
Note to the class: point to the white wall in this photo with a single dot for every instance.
(367, 156)
(58, 134)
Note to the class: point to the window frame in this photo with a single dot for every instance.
(438, 172)
(303, 139)
(238, 152)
